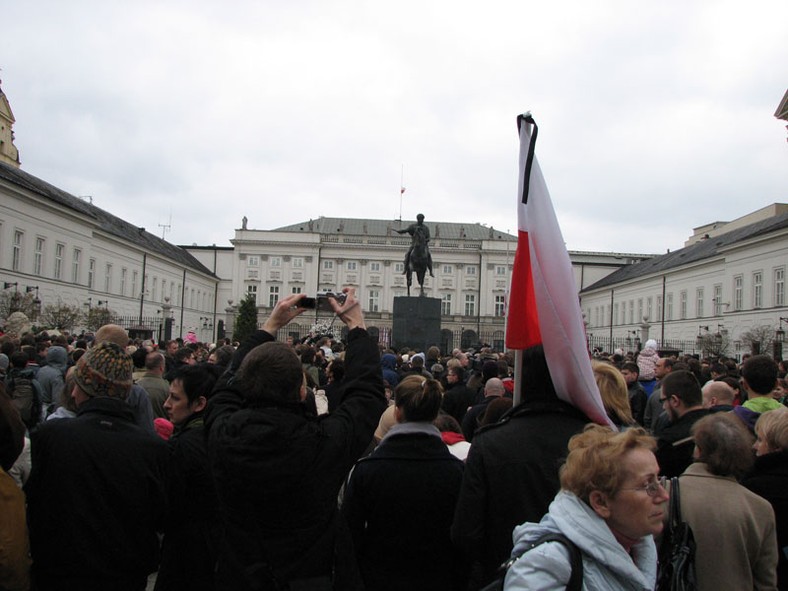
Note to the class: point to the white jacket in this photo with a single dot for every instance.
(606, 564)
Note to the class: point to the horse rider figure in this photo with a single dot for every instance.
(418, 232)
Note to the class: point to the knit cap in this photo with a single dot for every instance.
(105, 370)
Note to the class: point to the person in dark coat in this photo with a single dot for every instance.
(459, 397)
(334, 390)
(769, 478)
(493, 390)
(96, 489)
(682, 399)
(277, 469)
(389, 364)
(511, 473)
(400, 500)
(191, 529)
(635, 391)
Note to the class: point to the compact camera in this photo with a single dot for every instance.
(321, 301)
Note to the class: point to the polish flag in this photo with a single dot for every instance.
(543, 304)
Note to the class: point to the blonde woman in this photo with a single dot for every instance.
(615, 395)
(769, 477)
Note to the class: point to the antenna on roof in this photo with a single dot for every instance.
(166, 227)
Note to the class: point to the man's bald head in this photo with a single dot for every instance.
(717, 393)
(494, 387)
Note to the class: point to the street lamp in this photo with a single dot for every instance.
(36, 300)
(779, 335)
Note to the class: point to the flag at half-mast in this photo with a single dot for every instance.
(543, 305)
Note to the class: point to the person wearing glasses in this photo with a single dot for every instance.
(611, 505)
(682, 400)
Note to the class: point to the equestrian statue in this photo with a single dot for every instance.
(418, 258)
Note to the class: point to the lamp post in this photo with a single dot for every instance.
(779, 339)
(166, 313)
(36, 301)
(699, 339)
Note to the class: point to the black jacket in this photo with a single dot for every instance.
(769, 479)
(470, 422)
(674, 446)
(95, 498)
(637, 401)
(278, 471)
(191, 530)
(511, 476)
(399, 505)
(457, 400)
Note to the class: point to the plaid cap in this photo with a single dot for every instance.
(105, 370)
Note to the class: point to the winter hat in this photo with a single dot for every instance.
(105, 370)
(651, 344)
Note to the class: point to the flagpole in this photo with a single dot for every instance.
(517, 395)
(401, 189)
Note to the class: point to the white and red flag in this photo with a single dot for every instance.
(543, 305)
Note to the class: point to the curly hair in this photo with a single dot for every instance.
(723, 444)
(594, 461)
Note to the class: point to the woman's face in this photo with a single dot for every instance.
(632, 512)
(177, 404)
(760, 446)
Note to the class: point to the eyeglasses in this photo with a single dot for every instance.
(652, 488)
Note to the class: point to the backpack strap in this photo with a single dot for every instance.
(575, 558)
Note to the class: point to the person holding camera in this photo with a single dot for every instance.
(277, 469)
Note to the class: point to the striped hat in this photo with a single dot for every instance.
(105, 370)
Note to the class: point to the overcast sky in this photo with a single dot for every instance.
(654, 117)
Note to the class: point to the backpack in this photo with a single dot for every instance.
(25, 396)
(575, 580)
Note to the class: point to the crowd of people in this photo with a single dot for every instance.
(329, 464)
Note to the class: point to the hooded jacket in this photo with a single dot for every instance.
(606, 564)
(389, 364)
(52, 376)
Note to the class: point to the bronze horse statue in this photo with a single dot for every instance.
(418, 261)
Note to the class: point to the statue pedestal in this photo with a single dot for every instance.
(417, 323)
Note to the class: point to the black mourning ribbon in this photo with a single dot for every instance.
(527, 118)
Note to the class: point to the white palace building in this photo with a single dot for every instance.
(65, 250)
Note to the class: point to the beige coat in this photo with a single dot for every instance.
(14, 548)
(734, 531)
